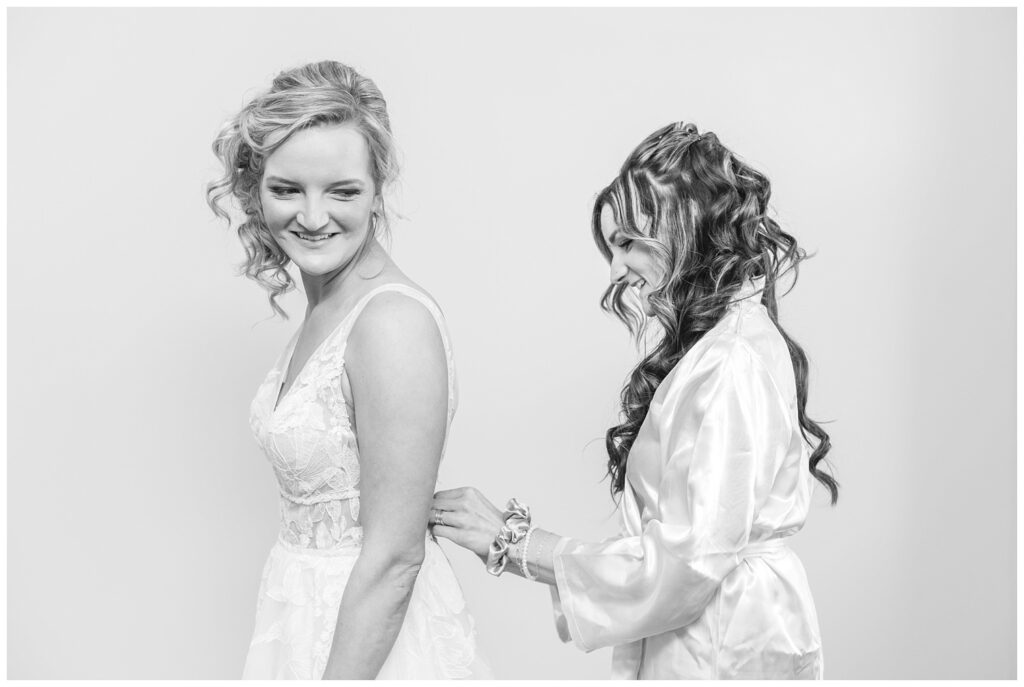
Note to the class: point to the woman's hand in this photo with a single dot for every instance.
(465, 517)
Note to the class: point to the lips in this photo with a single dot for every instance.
(313, 238)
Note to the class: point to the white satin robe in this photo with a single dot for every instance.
(701, 584)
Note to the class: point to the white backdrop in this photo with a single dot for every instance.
(139, 508)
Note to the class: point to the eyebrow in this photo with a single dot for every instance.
(342, 182)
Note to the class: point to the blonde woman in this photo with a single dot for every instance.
(354, 416)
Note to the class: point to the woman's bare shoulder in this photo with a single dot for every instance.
(398, 321)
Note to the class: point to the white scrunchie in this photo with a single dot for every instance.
(517, 524)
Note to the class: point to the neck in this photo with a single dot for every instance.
(339, 283)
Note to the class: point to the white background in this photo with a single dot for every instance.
(140, 511)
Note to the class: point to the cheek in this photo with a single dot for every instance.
(353, 215)
(275, 212)
(646, 265)
(656, 270)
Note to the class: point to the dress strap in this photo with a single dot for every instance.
(413, 293)
(435, 311)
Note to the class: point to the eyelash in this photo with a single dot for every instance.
(343, 194)
(626, 245)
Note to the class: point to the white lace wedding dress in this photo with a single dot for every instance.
(311, 443)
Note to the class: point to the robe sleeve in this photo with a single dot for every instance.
(722, 434)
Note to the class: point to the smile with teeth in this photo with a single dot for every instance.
(313, 238)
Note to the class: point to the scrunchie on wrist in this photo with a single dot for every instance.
(517, 524)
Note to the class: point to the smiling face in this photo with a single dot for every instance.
(631, 261)
(318, 196)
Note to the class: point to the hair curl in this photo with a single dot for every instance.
(314, 94)
(703, 213)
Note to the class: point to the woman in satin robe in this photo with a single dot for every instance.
(715, 457)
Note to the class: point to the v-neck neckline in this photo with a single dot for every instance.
(281, 394)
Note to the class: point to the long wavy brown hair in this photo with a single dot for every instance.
(704, 214)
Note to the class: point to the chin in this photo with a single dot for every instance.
(645, 305)
(319, 265)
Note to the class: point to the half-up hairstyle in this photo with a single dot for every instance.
(703, 213)
(314, 94)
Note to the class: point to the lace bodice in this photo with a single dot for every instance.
(310, 440)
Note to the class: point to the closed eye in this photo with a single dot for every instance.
(283, 190)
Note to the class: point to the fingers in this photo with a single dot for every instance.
(463, 498)
(456, 535)
(466, 510)
(452, 534)
(467, 539)
(451, 493)
(446, 504)
(462, 494)
(448, 518)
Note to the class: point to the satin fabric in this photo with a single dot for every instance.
(700, 584)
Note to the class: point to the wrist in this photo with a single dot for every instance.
(517, 524)
(524, 555)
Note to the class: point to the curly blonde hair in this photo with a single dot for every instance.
(314, 94)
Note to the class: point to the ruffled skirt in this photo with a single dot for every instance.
(297, 610)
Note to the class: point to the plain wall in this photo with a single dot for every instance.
(140, 510)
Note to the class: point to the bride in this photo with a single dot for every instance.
(354, 416)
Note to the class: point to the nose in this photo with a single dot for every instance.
(313, 219)
(619, 270)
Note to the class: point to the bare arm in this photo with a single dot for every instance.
(398, 373)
